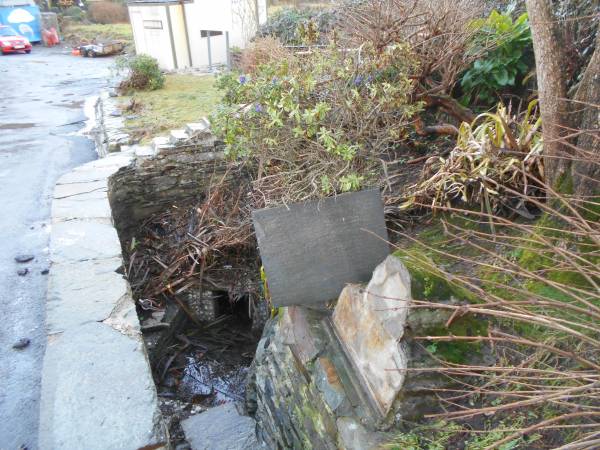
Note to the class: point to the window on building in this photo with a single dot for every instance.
(211, 33)
(153, 24)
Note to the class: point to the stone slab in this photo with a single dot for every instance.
(97, 392)
(221, 428)
(83, 292)
(80, 240)
(370, 324)
(311, 250)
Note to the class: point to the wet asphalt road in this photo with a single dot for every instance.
(40, 93)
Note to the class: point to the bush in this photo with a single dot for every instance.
(317, 124)
(262, 51)
(108, 12)
(288, 24)
(74, 13)
(144, 73)
(507, 54)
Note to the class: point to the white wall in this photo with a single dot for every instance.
(152, 41)
(238, 17)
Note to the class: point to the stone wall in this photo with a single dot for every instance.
(175, 176)
(307, 389)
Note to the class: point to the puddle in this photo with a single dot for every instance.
(16, 126)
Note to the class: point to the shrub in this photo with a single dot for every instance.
(288, 24)
(507, 55)
(143, 73)
(495, 164)
(74, 13)
(262, 51)
(107, 12)
(317, 124)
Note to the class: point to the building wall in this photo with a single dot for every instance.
(237, 17)
(151, 33)
(179, 39)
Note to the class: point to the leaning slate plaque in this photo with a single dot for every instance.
(311, 250)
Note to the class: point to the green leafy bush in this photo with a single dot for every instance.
(288, 24)
(74, 13)
(507, 54)
(143, 73)
(317, 124)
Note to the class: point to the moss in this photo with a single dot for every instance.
(458, 351)
(428, 282)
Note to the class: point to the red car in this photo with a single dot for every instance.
(11, 42)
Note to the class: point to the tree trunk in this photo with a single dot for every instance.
(586, 117)
(552, 87)
(578, 157)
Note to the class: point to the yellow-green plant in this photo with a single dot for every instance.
(495, 156)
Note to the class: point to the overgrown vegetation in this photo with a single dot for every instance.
(143, 73)
(317, 124)
(502, 237)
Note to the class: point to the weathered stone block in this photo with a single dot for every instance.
(370, 324)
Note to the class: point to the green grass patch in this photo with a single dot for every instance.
(183, 99)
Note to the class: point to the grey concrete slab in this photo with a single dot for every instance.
(83, 292)
(221, 428)
(311, 250)
(79, 240)
(97, 392)
(88, 205)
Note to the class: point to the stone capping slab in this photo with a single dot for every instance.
(97, 386)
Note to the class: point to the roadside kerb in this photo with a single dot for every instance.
(97, 386)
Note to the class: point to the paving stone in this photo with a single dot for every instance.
(221, 428)
(79, 240)
(178, 136)
(97, 392)
(83, 292)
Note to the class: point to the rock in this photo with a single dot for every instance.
(22, 272)
(24, 258)
(45, 271)
(353, 436)
(221, 428)
(116, 113)
(370, 324)
(21, 344)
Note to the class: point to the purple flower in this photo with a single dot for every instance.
(243, 79)
(274, 80)
(358, 80)
(369, 79)
(258, 108)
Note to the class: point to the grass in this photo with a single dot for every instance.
(184, 99)
(78, 32)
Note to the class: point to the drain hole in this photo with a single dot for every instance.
(200, 347)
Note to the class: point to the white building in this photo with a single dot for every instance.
(194, 33)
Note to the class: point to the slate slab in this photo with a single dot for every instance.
(311, 250)
(221, 428)
(98, 403)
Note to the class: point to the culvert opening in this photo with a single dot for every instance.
(194, 270)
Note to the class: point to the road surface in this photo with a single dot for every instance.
(40, 113)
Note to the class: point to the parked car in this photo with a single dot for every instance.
(11, 42)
